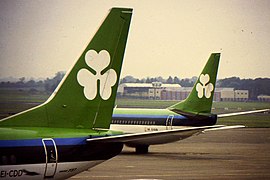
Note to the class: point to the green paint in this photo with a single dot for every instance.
(141, 111)
(68, 107)
(193, 104)
(14, 133)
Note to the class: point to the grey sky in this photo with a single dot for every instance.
(40, 38)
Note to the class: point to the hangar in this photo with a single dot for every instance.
(158, 90)
(145, 90)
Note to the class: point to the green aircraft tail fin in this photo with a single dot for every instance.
(85, 97)
(200, 99)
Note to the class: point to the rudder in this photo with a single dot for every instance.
(199, 101)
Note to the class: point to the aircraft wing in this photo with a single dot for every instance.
(152, 136)
(242, 113)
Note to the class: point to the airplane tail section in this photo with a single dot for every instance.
(199, 101)
(87, 93)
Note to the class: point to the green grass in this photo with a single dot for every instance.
(14, 101)
(139, 103)
(259, 120)
(218, 107)
(251, 120)
(22, 95)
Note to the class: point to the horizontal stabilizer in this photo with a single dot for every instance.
(242, 113)
(126, 138)
(224, 128)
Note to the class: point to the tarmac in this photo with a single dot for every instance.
(226, 154)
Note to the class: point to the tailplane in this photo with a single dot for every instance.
(86, 95)
(199, 101)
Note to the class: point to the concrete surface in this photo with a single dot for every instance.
(228, 154)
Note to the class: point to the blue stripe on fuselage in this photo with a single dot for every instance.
(164, 120)
(38, 142)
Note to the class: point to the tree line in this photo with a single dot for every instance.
(185, 82)
(255, 87)
(48, 85)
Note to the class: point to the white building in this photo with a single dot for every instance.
(241, 95)
(157, 90)
(264, 98)
(145, 90)
(226, 94)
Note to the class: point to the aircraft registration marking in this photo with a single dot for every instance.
(147, 129)
(11, 173)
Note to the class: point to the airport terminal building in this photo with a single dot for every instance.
(145, 90)
(160, 91)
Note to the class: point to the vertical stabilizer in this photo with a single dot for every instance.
(200, 99)
(86, 95)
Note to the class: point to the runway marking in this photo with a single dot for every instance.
(130, 166)
(130, 177)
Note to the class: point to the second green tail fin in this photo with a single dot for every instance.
(200, 99)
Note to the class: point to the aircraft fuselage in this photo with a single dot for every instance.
(159, 117)
(134, 120)
(50, 156)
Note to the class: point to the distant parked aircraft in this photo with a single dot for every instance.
(194, 112)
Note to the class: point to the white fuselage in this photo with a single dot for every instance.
(44, 171)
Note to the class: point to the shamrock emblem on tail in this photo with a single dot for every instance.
(202, 88)
(98, 62)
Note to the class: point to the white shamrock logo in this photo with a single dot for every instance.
(202, 88)
(97, 62)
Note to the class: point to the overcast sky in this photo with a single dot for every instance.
(40, 38)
